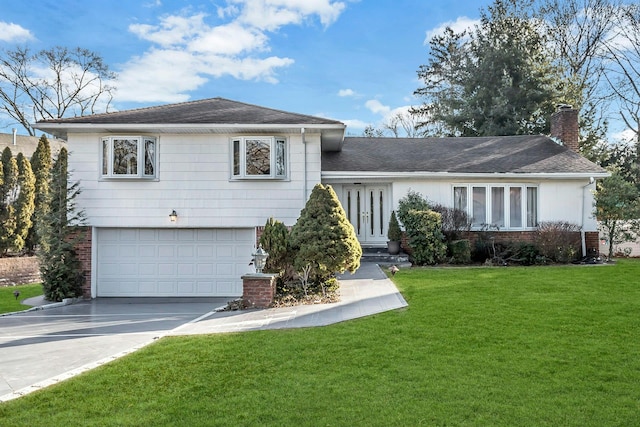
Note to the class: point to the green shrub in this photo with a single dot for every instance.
(424, 230)
(275, 240)
(394, 233)
(412, 201)
(460, 251)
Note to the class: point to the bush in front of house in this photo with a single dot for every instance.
(323, 240)
(558, 241)
(459, 251)
(424, 232)
(411, 201)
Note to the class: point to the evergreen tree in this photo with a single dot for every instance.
(275, 240)
(24, 204)
(8, 194)
(41, 166)
(496, 80)
(59, 264)
(323, 238)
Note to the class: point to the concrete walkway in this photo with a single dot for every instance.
(52, 343)
(364, 293)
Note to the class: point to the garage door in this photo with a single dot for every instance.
(174, 262)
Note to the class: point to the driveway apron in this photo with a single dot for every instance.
(41, 347)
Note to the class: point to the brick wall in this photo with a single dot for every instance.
(83, 250)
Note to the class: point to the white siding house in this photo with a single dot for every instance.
(224, 167)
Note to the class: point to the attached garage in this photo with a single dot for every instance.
(172, 262)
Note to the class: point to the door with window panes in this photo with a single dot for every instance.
(367, 208)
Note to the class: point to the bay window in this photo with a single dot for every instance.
(498, 206)
(129, 157)
(259, 157)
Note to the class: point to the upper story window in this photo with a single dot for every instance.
(259, 157)
(129, 157)
(502, 206)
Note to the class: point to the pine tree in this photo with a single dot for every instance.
(323, 238)
(8, 194)
(24, 204)
(275, 240)
(41, 166)
(59, 264)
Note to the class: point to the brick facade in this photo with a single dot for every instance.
(83, 251)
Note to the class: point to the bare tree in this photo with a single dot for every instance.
(624, 67)
(52, 84)
(403, 122)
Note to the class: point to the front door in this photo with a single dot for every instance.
(367, 208)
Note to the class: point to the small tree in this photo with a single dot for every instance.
(275, 240)
(8, 195)
(618, 210)
(394, 232)
(24, 203)
(41, 167)
(59, 264)
(323, 238)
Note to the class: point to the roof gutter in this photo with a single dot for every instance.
(349, 175)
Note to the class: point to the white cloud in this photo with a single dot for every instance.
(10, 32)
(346, 92)
(187, 51)
(459, 25)
(377, 107)
(626, 135)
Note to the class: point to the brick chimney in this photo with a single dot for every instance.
(564, 126)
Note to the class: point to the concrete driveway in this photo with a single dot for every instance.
(39, 348)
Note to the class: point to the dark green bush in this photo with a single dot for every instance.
(424, 231)
(412, 201)
(460, 251)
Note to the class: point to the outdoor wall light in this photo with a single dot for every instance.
(260, 259)
(173, 216)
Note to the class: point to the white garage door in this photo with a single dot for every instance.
(172, 262)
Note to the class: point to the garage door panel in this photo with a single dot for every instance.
(175, 262)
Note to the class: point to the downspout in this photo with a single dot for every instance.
(583, 239)
(304, 179)
(15, 138)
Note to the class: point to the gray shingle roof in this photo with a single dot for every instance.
(500, 154)
(205, 111)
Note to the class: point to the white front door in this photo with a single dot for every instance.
(367, 208)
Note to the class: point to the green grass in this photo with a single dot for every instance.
(9, 303)
(537, 346)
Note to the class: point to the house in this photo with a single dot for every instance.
(174, 194)
(27, 144)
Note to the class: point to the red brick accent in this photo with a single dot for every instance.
(592, 240)
(83, 250)
(258, 290)
(564, 126)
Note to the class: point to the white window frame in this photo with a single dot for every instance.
(140, 172)
(468, 198)
(278, 149)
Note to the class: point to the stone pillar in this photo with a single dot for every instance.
(258, 290)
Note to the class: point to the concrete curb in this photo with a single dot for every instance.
(66, 301)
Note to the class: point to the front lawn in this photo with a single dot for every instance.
(522, 346)
(8, 301)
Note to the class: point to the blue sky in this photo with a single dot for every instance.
(354, 61)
